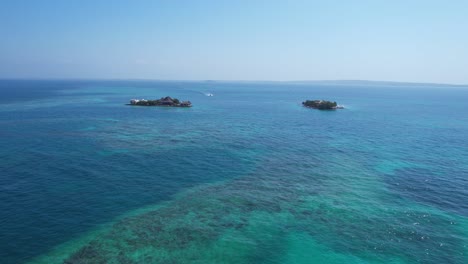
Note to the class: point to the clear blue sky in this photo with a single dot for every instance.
(411, 40)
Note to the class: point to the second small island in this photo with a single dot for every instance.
(322, 104)
(164, 101)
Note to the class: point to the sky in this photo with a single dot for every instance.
(410, 41)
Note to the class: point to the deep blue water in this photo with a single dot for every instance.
(74, 157)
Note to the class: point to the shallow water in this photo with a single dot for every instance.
(244, 176)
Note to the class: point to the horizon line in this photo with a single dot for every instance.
(232, 80)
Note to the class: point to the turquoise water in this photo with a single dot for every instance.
(245, 176)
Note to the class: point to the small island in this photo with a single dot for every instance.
(322, 104)
(164, 101)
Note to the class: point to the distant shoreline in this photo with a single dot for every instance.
(298, 82)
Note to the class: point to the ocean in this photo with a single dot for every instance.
(247, 175)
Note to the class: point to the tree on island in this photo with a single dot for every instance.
(321, 104)
(164, 101)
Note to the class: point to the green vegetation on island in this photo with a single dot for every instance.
(164, 101)
(321, 104)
